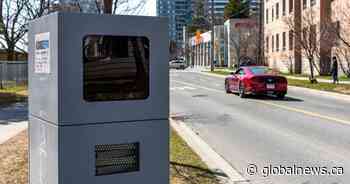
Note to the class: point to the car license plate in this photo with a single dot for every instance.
(270, 86)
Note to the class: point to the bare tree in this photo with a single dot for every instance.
(343, 52)
(244, 43)
(340, 28)
(308, 37)
(126, 7)
(15, 15)
(14, 22)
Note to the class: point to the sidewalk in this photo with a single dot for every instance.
(13, 120)
(319, 80)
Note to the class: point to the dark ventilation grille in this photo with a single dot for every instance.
(116, 158)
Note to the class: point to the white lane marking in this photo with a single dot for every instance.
(309, 113)
(197, 86)
(182, 88)
(203, 80)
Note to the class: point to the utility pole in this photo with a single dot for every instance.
(212, 36)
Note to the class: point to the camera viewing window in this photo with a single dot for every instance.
(116, 68)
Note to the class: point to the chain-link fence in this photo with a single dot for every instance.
(13, 73)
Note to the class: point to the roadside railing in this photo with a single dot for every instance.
(13, 73)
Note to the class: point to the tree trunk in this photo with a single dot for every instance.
(1, 15)
(238, 58)
(108, 4)
(11, 53)
(312, 75)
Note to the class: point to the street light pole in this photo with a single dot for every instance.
(212, 36)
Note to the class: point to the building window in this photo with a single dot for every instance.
(291, 4)
(284, 41)
(267, 16)
(277, 10)
(277, 43)
(304, 4)
(267, 44)
(273, 44)
(273, 14)
(291, 40)
(313, 2)
(283, 7)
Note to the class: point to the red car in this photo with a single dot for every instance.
(255, 80)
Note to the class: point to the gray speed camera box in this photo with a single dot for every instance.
(98, 99)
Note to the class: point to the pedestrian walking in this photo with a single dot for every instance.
(334, 71)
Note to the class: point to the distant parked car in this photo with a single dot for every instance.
(177, 64)
(255, 80)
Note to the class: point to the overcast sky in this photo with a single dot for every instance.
(151, 8)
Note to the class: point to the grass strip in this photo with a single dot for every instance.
(13, 95)
(186, 167)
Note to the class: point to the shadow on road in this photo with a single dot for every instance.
(15, 113)
(196, 175)
(273, 98)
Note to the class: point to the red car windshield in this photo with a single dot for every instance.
(259, 70)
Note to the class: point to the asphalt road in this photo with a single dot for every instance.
(295, 136)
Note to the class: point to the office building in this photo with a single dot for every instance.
(179, 13)
(254, 7)
(287, 23)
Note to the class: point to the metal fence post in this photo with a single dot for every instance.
(4, 74)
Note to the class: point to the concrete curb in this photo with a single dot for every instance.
(314, 91)
(214, 161)
(11, 130)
